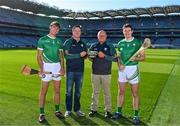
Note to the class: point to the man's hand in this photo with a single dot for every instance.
(61, 72)
(121, 67)
(40, 73)
(132, 59)
(101, 54)
(83, 53)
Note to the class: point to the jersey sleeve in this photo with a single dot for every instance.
(111, 57)
(92, 47)
(139, 44)
(40, 44)
(61, 47)
(85, 47)
(119, 46)
(66, 47)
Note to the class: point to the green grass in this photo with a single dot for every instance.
(19, 94)
(168, 106)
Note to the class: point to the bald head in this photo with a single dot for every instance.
(102, 36)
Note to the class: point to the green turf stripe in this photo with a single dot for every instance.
(155, 67)
(157, 60)
(167, 111)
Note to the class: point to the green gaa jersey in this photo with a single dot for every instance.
(50, 47)
(127, 49)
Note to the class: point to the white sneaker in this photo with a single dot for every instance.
(80, 113)
(67, 113)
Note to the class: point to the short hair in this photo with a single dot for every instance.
(56, 23)
(127, 25)
(76, 26)
(101, 32)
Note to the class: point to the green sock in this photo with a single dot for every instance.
(136, 112)
(119, 109)
(42, 110)
(57, 108)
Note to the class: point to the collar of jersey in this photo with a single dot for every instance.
(51, 37)
(129, 40)
(103, 43)
(74, 41)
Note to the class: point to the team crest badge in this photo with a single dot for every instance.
(105, 49)
(82, 45)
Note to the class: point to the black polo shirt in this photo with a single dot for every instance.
(74, 62)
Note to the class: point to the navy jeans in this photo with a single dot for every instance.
(73, 78)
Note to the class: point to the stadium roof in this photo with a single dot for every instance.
(121, 13)
(137, 12)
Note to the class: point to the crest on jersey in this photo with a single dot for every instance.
(134, 44)
(105, 49)
(82, 45)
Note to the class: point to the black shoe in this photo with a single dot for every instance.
(41, 118)
(92, 113)
(108, 115)
(59, 115)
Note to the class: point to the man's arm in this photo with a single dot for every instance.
(71, 56)
(66, 51)
(40, 60)
(113, 54)
(139, 57)
(61, 57)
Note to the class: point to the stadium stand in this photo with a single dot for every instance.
(20, 29)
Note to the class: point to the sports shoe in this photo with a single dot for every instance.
(92, 113)
(67, 113)
(107, 115)
(80, 113)
(59, 115)
(41, 118)
(136, 120)
(116, 115)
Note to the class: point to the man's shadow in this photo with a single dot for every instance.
(107, 120)
(64, 122)
(123, 120)
(83, 120)
(45, 123)
(128, 121)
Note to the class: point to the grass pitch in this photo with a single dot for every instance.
(19, 94)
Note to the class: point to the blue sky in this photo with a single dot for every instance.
(94, 5)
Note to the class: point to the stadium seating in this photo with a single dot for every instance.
(20, 29)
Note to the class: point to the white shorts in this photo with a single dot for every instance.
(129, 74)
(51, 67)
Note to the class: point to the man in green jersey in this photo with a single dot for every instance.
(129, 72)
(50, 59)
